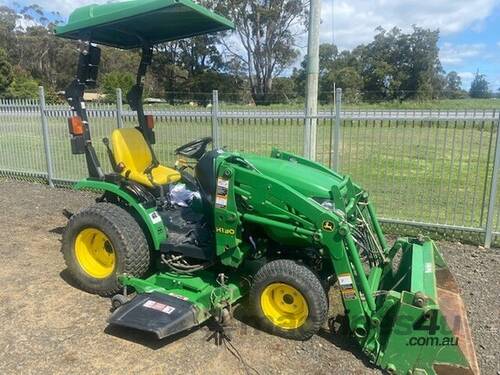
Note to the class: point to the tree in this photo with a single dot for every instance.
(267, 31)
(394, 66)
(6, 75)
(299, 79)
(48, 59)
(114, 80)
(349, 80)
(328, 61)
(283, 90)
(23, 86)
(453, 86)
(402, 66)
(204, 82)
(344, 72)
(8, 18)
(328, 54)
(190, 69)
(479, 87)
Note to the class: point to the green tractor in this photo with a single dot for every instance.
(279, 230)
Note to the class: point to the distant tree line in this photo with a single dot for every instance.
(249, 66)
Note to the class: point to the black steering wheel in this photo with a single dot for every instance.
(194, 149)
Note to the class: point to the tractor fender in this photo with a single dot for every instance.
(149, 216)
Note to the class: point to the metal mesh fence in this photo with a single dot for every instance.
(433, 169)
(430, 168)
(21, 144)
(173, 130)
(260, 133)
(72, 167)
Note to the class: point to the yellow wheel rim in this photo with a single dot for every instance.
(95, 253)
(284, 306)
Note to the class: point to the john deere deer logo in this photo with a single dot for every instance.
(328, 226)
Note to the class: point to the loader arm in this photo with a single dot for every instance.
(290, 216)
(401, 302)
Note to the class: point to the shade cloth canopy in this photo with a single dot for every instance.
(135, 23)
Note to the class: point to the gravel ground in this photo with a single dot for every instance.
(48, 326)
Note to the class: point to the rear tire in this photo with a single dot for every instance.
(288, 300)
(102, 242)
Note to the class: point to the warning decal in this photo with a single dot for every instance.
(221, 201)
(155, 218)
(150, 304)
(345, 281)
(222, 183)
(428, 267)
(222, 186)
(349, 294)
(222, 189)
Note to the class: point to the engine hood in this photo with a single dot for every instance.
(309, 181)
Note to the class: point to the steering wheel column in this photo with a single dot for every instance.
(194, 149)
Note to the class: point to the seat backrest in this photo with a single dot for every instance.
(131, 149)
(206, 177)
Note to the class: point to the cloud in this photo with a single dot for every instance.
(65, 7)
(352, 22)
(498, 44)
(456, 54)
(466, 78)
(23, 23)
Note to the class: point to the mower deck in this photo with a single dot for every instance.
(158, 313)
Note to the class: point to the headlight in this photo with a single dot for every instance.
(326, 203)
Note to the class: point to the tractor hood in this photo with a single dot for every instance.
(308, 180)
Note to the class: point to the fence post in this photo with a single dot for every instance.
(215, 118)
(493, 191)
(307, 133)
(45, 134)
(335, 134)
(119, 108)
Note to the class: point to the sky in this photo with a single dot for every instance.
(469, 29)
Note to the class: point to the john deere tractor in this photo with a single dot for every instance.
(193, 240)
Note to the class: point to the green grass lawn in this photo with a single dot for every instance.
(434, 172)
(442, 104)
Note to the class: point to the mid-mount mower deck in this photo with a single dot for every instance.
(192, 241)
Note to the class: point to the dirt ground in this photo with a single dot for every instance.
(50, 327)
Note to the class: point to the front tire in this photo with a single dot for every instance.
(288, 300)
(101, 242)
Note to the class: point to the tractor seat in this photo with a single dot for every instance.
(131, 150)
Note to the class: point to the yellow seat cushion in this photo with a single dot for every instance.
(161, 176)
(131, 150)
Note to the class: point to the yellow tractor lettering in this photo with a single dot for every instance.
(227, 231)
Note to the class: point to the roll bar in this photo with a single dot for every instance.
(86, 77)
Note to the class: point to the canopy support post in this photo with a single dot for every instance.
(134, 96)
(88, 64)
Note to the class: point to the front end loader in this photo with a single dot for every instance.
(279, 231)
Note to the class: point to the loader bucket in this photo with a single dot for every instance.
(425, 329)
(453, 309)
